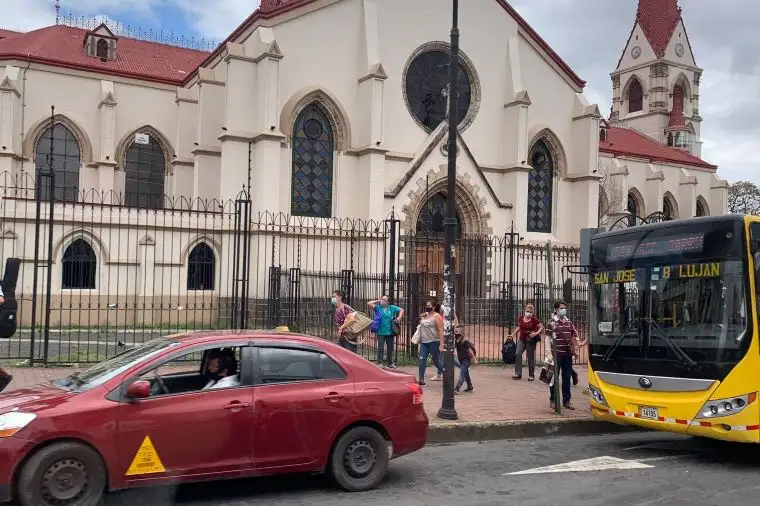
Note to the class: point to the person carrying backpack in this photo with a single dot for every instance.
(466, 354)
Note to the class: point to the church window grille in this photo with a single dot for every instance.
(312, 168)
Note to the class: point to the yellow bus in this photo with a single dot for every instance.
(673, 327)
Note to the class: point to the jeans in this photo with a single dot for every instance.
(464, 375)
(431, 349)
(348, 345)
(388, 342)
(530, 348)
(563, 370)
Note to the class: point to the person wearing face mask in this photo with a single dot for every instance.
(562, 337)
(527, 335)
(388, 317)
(431, 340)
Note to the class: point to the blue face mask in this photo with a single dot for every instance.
(562, 312)
(334, 301)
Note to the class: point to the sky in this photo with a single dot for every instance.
(589, 34)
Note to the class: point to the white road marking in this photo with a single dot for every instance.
(586, 465)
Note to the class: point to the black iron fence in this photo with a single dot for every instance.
(98, 276)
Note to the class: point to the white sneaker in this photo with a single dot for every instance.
(437, 377)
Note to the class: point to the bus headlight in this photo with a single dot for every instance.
(597, 395)
(726, 407)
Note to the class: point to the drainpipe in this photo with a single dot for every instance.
(23, 108)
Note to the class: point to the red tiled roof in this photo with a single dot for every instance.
(272, 8)
(7, 33)
(63, 46)
(658, 19)
(627, 142)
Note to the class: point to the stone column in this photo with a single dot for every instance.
(268, 193)
(687, 195)
(10, 112)
(106, 163)
(183, 165)
(654, 190)
(718, 196)
(208, 150)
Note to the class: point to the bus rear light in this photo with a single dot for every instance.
(597, 395)
(725, 407)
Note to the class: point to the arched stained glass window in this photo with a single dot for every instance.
(635, 96)
(66, 162)
(312, 171)
(430, 222)
(633, 209)
(145, 174)
(78, 266)
(540, 189)
(201, 265)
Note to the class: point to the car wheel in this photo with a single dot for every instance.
(359, 460)
(62, 474)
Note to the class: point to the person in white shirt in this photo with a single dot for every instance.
(223, 371)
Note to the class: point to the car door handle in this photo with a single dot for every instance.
(333, 396)
(237, 405)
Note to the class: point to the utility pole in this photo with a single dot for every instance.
(448, 411)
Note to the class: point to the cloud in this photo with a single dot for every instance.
(216, 19)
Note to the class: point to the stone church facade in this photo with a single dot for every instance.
(322, 125)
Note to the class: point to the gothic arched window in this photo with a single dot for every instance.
(101, 50)
(312, 168)
(201, 264)
(78, 266)
(66, 161)
(635, 96)
(540, 189)
(144, 174)
(668, 209)
(430, 222)
(633, 209)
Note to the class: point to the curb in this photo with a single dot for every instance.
(448, 433)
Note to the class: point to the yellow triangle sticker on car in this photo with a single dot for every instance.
(146, 461)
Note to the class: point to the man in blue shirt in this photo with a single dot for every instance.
(387, 329)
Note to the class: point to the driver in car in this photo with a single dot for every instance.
(222, 369)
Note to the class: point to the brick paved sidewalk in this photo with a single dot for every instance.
(496, 398)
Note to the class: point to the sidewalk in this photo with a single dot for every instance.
(499, 408)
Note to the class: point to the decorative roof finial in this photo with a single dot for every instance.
(57, 11)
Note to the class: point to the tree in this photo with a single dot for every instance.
(743, 198)
(610, 196)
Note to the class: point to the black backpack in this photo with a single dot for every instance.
(9, 308)
(509, 351)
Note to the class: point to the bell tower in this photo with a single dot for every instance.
(656, 83)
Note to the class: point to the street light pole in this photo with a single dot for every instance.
(448, 411)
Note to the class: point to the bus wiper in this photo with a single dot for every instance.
(686, 359)
(611, 350)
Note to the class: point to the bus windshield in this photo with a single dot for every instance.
(670, 305)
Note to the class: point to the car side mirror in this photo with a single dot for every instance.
(139, 390)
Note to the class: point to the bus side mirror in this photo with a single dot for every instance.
(567, 290)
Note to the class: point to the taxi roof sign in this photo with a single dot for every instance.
(282, 328)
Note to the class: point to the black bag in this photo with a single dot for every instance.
(9, 308)
(509, 351)
(5, 379)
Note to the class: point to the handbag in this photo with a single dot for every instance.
(546, 374)
(361, 323)
(395, 328)
(416, 336)
(376, 322)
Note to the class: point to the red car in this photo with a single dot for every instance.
(207, 406)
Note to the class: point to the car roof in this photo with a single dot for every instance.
(210, 336)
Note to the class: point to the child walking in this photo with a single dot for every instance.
(466, 356)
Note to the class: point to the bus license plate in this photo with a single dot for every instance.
(650, 413)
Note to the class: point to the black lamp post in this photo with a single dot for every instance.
(448, 411)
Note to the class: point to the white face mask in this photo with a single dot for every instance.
(528, 314)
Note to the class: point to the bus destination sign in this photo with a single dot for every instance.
(660, 246)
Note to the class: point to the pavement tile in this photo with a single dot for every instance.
(497, 398)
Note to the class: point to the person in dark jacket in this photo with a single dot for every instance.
(562, 337)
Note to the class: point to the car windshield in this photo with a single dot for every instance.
(104, 371)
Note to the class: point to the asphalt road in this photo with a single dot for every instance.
(642, 469)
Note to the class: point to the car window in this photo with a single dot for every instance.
(284, 365)
(205, 369)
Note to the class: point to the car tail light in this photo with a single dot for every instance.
(726, 407)
(416, 392)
